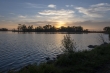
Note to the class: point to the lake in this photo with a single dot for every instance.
(20, 49)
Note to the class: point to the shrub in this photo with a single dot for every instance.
(68, 44)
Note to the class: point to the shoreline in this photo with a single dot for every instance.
(80, 62)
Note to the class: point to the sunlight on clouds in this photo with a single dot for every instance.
(60, 23)
(56, 12)
(57, 15)
(64, 17)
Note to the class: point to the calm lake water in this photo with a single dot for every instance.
(19, 49)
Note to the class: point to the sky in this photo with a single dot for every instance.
(90, 14)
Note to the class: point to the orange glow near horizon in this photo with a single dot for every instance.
(60, 23)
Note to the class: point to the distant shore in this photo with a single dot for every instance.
(66, 32)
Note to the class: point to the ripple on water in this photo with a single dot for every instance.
(18, 50)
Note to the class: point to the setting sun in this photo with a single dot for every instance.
(60, 23)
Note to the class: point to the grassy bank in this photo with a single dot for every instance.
(79, 62)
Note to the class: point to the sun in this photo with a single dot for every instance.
(60, 23)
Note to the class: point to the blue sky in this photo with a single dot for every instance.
(91, 14)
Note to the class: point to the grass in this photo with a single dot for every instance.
(77, 62)
(86, 61)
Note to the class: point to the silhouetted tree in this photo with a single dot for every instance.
(39, 29)
(106, 29)
(53, 29)
(48, 28)
(79, 29)
(23, 28)
(63, 29)
(3, 29)
(19, 27)
(30, 28)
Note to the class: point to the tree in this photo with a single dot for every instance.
(39, 29)
(30, 28)
(19, 27)
(68, 44)
(78, 29)
(23, 28)
(106, 29)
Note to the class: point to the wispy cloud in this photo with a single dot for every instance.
(100, 4)
(57, 15)
(89, 12)
(48, 16)
(69, 5)
(97, 10)
(21, 16)
(32, 5)
(38, 16)
(56, 12)
(40, 23)
(52, 6)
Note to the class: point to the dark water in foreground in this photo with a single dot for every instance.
(18, 50)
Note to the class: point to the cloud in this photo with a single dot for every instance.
(21, 16)
(97, 10)
(31, 5)
(100, 4)
(52, 6)
(57, 15)
(38, 16)
(89, 12)
(69, 5)
(56, 12)
(40, 23)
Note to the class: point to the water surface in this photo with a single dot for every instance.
(19, 49)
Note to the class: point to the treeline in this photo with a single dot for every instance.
(49, 28)
(3, 29)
